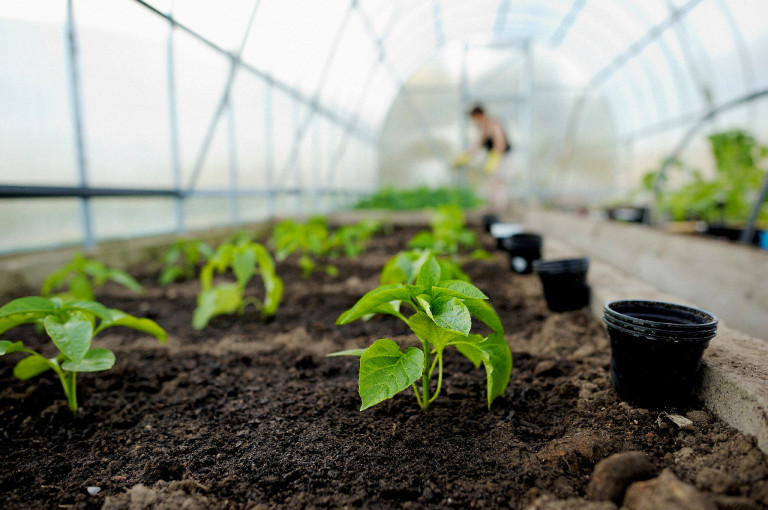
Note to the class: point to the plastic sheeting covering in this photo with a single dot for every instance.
(248, 109)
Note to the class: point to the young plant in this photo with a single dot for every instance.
(310, 239)
(71, 326)
(182, 258)
(405, 266)
(352, 239)
(448, 232)
(246, 258)
(82, 275)
(441, 317)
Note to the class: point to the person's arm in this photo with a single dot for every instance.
(499, 145)
(464, 158)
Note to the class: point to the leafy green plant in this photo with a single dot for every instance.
(314, 241)
(182, 258)
(246, 258)
(311, 239)
(441, 317)
(71, 326)
(352, 239)
(81, 276)
(725, 198)
(422, 197)
(448, 232)
(405, 266)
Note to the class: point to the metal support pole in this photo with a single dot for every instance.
(234, 206)
(526, 119)
(77, 118)
(269, 149)
(173, 121)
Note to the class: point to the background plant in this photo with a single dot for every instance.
(71, 326)
(78, 278)
(352, 239)
(441, 317)
(246, 258)
(405, 266)
(728, 196)
(182, 258)
(448, 232)
(422, 197)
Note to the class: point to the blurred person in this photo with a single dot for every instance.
(496, 169)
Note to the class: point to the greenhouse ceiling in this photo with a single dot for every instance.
(235, 110)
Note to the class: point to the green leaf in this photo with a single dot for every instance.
(31, 366)
(72, 336)
(12, 321)
(120, 318)
(427, 331)
(495, 354)
(348, 352)
(243, 264)
(40, 306)
(485, 313)
(80, 287)
(385, 371)
(452, 315)
(224, 298)
(170, 274)
(8, 347)
(273, 284)
(97, 309)
(124, 279)
(95, 360)
(459, 289)
(370, 302)
(429, 274)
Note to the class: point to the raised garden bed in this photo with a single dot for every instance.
(245, 413)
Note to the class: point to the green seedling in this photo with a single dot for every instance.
(405, 266)
(441, 317)
(182, 258)
(352, 239)
(71, 326)
(311, 239)
(246, 258)
(422, 197)
(81, 276)
(448, 233)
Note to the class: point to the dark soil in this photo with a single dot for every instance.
(246, 414)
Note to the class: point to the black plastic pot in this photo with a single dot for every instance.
(488, 220)
(523, 249)
(564, 283)
(656, 350)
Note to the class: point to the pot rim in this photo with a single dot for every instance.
(711, 320)
(613, 321)
(671, 337)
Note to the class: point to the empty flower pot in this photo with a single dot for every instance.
(502, 230)
(489, 220)
(523, 249)
(564, 283)
(656, 350)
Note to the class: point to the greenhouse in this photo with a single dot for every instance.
(422, 254)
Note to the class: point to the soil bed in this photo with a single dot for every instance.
(245, 414)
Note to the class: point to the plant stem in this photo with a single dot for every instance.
(425, 379)
(439, 356)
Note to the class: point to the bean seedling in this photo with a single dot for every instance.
(182, 258)
(246, 258)
(81, 276)
(442, 317)
(71, 326)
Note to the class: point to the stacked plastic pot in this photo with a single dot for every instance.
(656, 350)
(564, 283)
